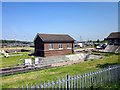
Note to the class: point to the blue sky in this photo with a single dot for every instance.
(90, 20)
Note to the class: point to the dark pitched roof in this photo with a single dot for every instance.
(56, 38)
(114, 35)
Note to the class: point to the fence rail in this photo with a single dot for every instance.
(101, 77)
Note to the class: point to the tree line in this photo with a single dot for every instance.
(14, 41)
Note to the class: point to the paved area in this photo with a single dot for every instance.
(62, 60)
(67, 59)
(95, 57)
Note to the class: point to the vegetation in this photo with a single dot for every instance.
(13, 60)
(33, 77)
(109, 86)
(14, 41)
(97, 41)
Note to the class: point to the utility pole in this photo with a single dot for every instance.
(80, 38)
(25, 40)
(15, 42)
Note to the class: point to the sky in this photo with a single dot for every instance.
(81, 20)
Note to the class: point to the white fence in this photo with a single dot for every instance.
(88, 80)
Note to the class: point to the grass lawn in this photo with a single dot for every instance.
(33, 77)
(13, 60)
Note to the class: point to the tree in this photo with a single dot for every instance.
(98, 40)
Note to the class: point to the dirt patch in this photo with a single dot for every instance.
(66, 63)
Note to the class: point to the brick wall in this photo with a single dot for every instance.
(56, 50)
(64, 45)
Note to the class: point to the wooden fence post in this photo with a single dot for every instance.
(91, 81)
(101, 79)
(74, 82)
(44, 86)
(109, 75)
(59, 83)
(27, 86)
(22, 87)
(49, 85)
(53, 83)
(41, 86)
(71, 82)
(63, 83)
(83, 82)
(36, 86)
(67, 82)
(77, 80)
(116, 74)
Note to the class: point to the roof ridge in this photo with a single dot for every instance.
(115, 32)
(52, 34)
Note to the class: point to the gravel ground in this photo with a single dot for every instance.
(95, 57)
(67, 59)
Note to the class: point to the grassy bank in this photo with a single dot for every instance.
(53, 73)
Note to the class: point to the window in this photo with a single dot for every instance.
(111, 42)
(116, 41)
(51, 46)
(60, 46)
(68, 46)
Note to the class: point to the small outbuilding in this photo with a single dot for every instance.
(113, 42)
(79, 44)
(53, 44)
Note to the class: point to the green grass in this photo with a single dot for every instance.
(109, 86)
(112, 86)
(33, 77)
(13, 60)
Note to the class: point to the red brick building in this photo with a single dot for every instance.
(53, 44)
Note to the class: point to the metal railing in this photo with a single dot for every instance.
(98, 78)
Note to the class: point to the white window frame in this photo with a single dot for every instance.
(51, 46)
(60, 46)
(68, 46)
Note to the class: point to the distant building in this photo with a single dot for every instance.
(79, 44)
(113, 42)
(53, 44)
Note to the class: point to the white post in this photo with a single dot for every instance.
(63, 83)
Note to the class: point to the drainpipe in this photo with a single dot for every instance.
(72, 48)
